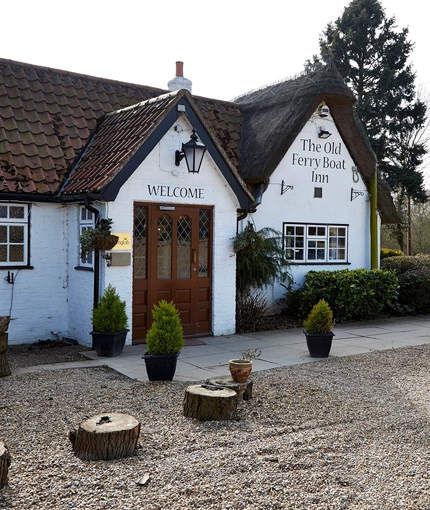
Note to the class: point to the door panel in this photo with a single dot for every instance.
(177, 263)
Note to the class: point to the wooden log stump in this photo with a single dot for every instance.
(4, 464)
(207, 402)
(4, 363)
(244, 390)
(106, 437)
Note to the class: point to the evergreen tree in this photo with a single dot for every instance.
(372, 56)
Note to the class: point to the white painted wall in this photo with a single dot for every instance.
(37, 302)
(158, 172)
(81, 283)
(313, 162)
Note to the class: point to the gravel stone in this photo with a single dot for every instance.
(343, 433)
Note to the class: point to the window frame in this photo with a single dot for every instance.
(315, 242)
(86, 220)
(10, 222)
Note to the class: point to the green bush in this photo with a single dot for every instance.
(165, 335)
(388, 252)
(320, 318)
(110, 315)
(260, 258)
(414, 284)
(351, 294)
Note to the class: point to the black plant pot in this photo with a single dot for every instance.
(319, 344)
(109, 344)
(160, 367)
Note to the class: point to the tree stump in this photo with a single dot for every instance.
(105, 437)
(4, 464)
(4, 363)
(207, 402)
(244, 390)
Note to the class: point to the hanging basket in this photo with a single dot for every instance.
(105, 242)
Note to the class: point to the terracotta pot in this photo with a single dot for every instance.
(240, 369)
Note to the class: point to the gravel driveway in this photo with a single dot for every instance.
(347, 433)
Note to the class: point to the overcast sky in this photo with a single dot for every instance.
(228, 46)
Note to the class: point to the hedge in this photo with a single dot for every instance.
(351, 294)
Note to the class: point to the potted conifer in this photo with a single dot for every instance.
(109, 321)
(164, 341)
(318, 331)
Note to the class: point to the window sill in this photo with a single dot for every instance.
(8, 268)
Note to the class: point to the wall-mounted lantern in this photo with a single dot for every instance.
(323, 133)
(193, 152)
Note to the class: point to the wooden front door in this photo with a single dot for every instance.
(172, 249)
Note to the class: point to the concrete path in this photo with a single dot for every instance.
(279, 348)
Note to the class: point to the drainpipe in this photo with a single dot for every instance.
(374, 251)
(96, 213)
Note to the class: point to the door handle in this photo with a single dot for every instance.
(194, 256)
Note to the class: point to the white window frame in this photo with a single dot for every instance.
(316, 243)
(7, 224)
(86, 221)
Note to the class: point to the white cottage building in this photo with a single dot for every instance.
(74, 149)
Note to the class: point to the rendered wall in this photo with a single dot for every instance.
(324, 163)
(37, 301)
(153, 181)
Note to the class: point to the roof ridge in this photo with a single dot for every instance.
(145, 102)
(74, 74)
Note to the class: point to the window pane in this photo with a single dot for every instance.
(183, 252)
(312, 231)
(139, 242)
(16, 212)
(204, 242)
(321, 231)
(3, 211)
(16, 253)
(16, 234)
(3, 234)
(3, 253)
(300, 231)
(164, 252)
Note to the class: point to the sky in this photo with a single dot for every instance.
(228, 47)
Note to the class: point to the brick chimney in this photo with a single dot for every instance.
(179, 82)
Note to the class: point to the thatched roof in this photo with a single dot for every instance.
(274, 116)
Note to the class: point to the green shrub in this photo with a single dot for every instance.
(251, 311)
(358, 293)
(110, 315)
(414, 284)
(320, 318)
(260, 258)
(165, 335)
(388, 252)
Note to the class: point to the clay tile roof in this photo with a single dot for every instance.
(47, 117)
(117, 139)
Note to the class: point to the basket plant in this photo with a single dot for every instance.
(318, 330)
(98, 238)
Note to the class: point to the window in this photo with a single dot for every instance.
(315, 243)
(13, 235)
(86, 221)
